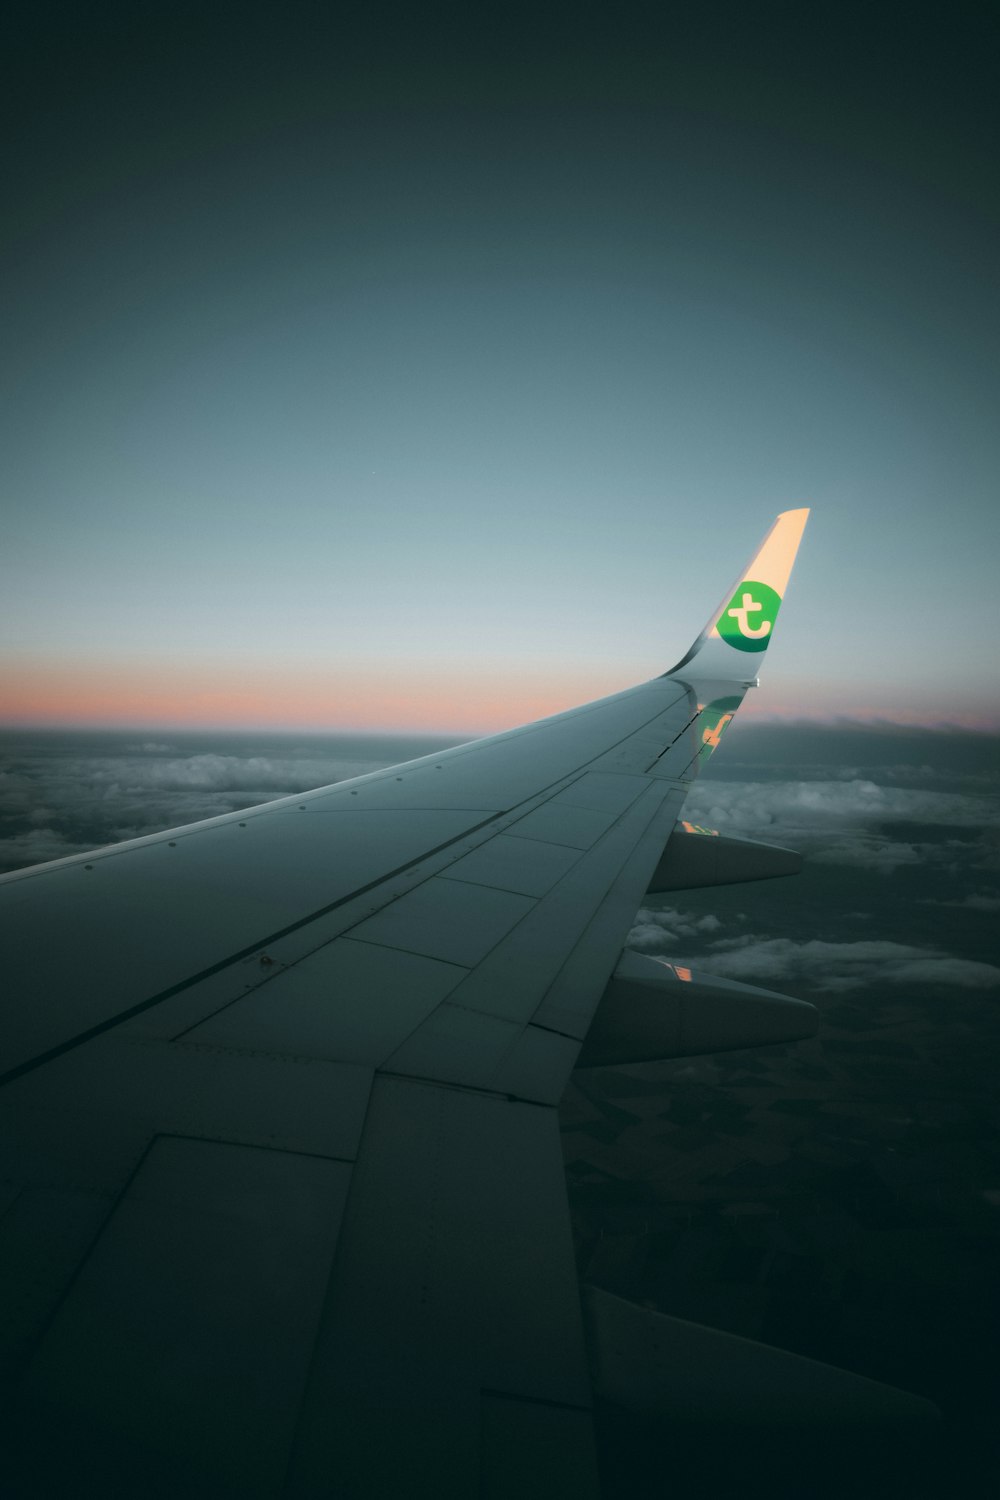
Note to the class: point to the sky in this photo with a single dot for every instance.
(434, 368)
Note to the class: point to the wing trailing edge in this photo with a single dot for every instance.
(692, 1376)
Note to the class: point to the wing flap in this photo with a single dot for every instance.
(238, 1243)
(350, 1000)
(169, 1293)
(471, 1298)
(686, 1374)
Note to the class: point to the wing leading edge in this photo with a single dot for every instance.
(285, 1203)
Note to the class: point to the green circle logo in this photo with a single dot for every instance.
(748, 618)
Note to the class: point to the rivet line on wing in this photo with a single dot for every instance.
(232, 958)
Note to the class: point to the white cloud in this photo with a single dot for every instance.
(219, 773)
(846, 822)
(18, 795)
(753, 806)
(836, 967)
(985, 901)
(81, 802)
(36, 847)
(871, 853)
(666, 926)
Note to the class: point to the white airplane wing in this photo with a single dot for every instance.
(285, 1204)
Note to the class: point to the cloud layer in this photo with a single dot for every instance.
(838, 967)
(59, 805)
(853, 822)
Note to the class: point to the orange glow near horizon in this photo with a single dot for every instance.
(462, 698)
(202, 696)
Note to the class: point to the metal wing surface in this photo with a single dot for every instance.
(285, 1204)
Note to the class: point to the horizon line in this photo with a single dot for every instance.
(965, 724)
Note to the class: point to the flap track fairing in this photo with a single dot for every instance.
(698, 857)
(652, 1010)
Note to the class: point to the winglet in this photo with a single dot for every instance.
(740, 630)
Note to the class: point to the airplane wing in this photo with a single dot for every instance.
(285, 1210)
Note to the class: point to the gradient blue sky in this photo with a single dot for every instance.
(439, 370)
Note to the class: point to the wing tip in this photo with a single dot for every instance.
(743, 622)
